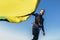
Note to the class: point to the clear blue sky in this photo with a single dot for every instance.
(23, 31)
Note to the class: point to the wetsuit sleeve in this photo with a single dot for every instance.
(43, 26)
(43, 29)
(29, 15)
(34, 14)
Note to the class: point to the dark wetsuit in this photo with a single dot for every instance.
(39, 20)
(35, 30)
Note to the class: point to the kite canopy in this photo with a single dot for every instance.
(11, 9)
(17, 7)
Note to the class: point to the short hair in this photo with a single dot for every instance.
(43, 11)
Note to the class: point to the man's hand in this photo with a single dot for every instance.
(43, 33)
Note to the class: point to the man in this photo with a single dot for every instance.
(38, 25)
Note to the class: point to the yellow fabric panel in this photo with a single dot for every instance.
(13, 9)
(17, 19)
(17, 7)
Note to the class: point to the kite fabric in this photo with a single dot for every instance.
(13, 9)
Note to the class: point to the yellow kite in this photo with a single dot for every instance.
(13, 9)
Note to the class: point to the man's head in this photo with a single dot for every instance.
(42, 12)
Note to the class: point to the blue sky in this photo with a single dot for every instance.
(23, 31)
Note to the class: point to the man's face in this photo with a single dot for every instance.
(41, 12)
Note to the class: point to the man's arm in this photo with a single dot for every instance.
(29, 15)
(43, 29)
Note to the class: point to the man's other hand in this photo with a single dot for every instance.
(43, 33)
